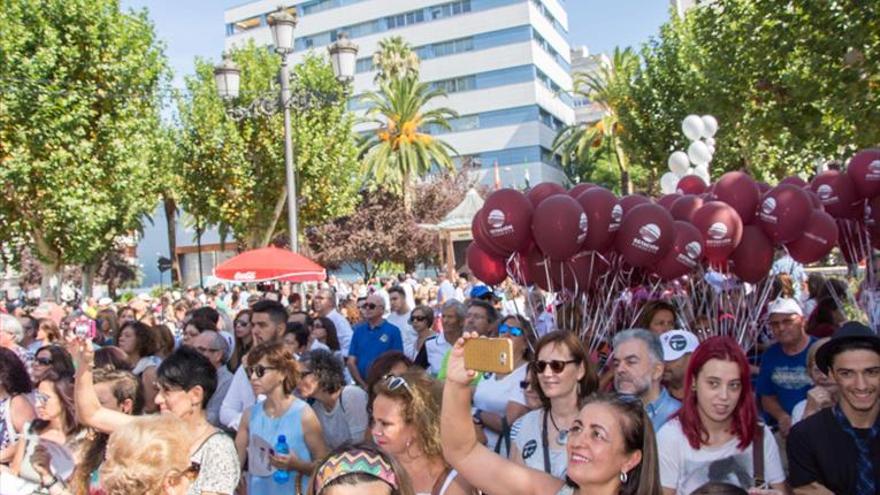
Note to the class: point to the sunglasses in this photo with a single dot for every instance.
(369, 306)
(192, 472)
(242, 323)
(258, 370)
(41, 398)
(394, 382)
(45, 361)
(555, 365)
(506, 329)
(419, 318)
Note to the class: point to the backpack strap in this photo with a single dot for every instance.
(758, 455)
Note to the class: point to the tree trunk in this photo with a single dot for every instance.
(50, 261)
(88, 279)
(626, 186)
(407, 194)
(273, 223)
(171, 225)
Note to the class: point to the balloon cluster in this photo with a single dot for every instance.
(695, 163)
(569, 240)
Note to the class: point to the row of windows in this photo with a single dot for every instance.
(316, 6)
(499, 118)
(549, 16)
(543, 43)
(557, 90)
(512, 156)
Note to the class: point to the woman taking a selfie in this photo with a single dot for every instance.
(610, 447)
(712, 436)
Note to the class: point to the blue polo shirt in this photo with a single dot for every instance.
(661, 409)
(368, 343)
(785, 376)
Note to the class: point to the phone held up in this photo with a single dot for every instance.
(489, 355)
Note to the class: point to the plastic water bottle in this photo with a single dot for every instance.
(281, 447)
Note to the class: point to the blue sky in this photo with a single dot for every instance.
(193, 28)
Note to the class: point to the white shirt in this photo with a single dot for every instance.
(685, 469)
(239, 397)
(407, 334)
(436, 348)
(343, 330)
(409, 295)
(526, 434)
(446, 291)
(224, 380)
(492, 395)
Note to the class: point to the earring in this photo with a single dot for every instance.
(623, 477)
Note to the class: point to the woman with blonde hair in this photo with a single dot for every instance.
(406, 425)
(149, 456)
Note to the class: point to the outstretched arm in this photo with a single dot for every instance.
(89, 410)
(474, 461)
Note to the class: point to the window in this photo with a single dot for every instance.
(247, 24)
(457, 84)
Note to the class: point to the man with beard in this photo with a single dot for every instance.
(637, 361)
(837, 450)
(678, 345)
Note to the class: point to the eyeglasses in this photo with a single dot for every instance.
(45, 361)
(505, 329)
(258, 370)
(40, 397)
(556, 366)
(204, 350)
(394, 382)
(370, 306)
(419, 318)
(242, 323)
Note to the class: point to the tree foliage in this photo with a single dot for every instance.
(791, 83)
(395, 60)
(381, 230)
(79, 104)
(234, 171)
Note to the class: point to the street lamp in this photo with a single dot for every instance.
(343, 57)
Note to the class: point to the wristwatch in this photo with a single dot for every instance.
(477, 419)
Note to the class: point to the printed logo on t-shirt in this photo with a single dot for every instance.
(529, 449)
(791, 377)
(383, 338)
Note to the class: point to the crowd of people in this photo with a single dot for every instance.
(362, 388)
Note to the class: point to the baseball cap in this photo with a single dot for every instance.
(677, 343)
(784, 306)
(481, 291)
(851, 331)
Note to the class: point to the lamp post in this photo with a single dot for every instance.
(343, 57)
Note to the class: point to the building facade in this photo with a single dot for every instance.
(504, 64)
(582, 62)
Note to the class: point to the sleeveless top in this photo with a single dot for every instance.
(263, 432)
(8, 435)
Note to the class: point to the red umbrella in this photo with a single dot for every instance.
(271, 263)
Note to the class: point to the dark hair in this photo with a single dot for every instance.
(327, 368)
(206, 313)
(274, 309)
(147, 345)
(111, 358)
(330, 330)
(397, 289)
(382, 366)
(652, 308)
(186, 369)
(815, 282)
(427, 311)
(834, 287)
(164, 338)
(62, 362)
(280, 358)
(53, 333)
(638, 434)
(299, 331)
(241, 348)
(491, 313)
(63, 386)
(13, 373)
(588, 384)
(404, 485)
(718, 488)
(202, 324)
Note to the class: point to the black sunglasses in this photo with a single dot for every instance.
(258, 370)
(370, 306)
(556, 366)
(419, 318)
(43, 360)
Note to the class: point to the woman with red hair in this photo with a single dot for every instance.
(712, 436)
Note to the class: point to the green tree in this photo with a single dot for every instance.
(402, 149)
(234, 171)
(395, 60)
(79, 104)
(587, 142)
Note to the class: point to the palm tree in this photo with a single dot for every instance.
(400, 149)
(395, 60)
(608, 87)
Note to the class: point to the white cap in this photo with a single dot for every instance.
(784, 306)
(677, 343)
(105, 301)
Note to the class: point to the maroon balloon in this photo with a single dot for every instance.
(482, 239)
(630, 201)
(864, 170)
(539, 268)
(783, 213)
(667, 200)
(519, 269)
(817, 241)
(506, 219)
(598, 203)
(684, 207)
(764, 187)
(739, 191)
(542, 191)
(576, 191)
(753, 258)
(837, 193)
(691, 184)
(580, 273)
(795, 181)
(814, 199)
(872, 213)
(853, 238)
(559, 226)
(721, 228)
(685, 255)
(489, 269)
(645, 235)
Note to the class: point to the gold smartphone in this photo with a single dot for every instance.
(489, 355)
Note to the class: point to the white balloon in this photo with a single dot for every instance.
(668, 182)
(710, 125)
(692, 171)
(678, 162)
(710, 141)
(701, 170)
(698, 153)
(693, 127)
(703, 173)
(711, 149)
